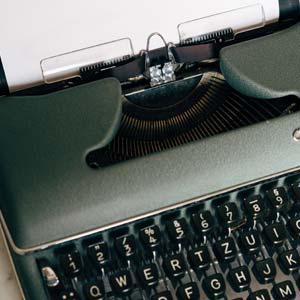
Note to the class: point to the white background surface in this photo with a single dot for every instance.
(8, 286)
(33, 30)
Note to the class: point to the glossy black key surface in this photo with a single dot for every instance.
(289, 261)
(177, 230)
(250, 242)
(259, 295)
(126, 246)
(275, 234)
(69, 294)
(150, 237)
(296, 189)
(163, 296)
(225, 250)
(265, 270)
(239, 278)
(284, 291)
(203, 222)
(98, 253)
(94, 290)
(229, 214)
(71, 264)
(148, 275)
(278, 198)
(255, 207)
(293, 226)
(214, 286)
(189, 291)
(199, 258)
(175, 266)
(121, 283)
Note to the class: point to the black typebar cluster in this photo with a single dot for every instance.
(243, 245)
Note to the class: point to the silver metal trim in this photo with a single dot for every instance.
(24, 251)
(71, 70)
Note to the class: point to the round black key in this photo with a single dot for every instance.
(255, 207)
(278, 199)
(203, 222)
(225, 250)
(265, 270)
(175, 266)
(148, 275)
(261, 294)
(177, 230)
(99, 254)
(166, 295)
(214, 286)
(229, 214)
(239, 278)
(94, 290)
(250, 242)
(276, 234)
(71, 264)
(151, 237)
(126, 246)
(199, 258)
(293, 226)
(121, 283)
(189, 291)
(284, 291)
(296, 189)
(289, 261)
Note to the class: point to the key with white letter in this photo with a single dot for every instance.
(121, 283)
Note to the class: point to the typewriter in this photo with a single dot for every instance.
(173, 173)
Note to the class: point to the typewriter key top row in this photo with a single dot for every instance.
(71, 264)
(126, 246)
(150, 237)
(242, 248)
(229, 214)
(99, 253)
(203, 222)
(255, 207)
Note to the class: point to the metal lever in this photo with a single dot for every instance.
(160, 74)
(50, 277)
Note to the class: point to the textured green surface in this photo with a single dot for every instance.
(43, 140)
(162, 179)
(268, 67)
(48, 192)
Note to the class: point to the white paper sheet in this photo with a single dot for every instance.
(33, 30)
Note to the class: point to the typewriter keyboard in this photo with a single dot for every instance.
(241, 245)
